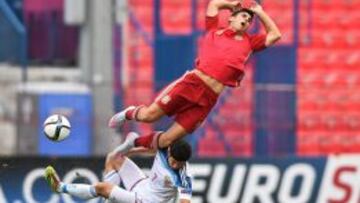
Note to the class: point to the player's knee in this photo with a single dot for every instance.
(165, 140)
(168, 138)
(149, 115)
(113, 162)
(103, 189)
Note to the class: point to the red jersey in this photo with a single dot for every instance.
(222, 57)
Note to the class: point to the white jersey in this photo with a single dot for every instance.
(164, 182)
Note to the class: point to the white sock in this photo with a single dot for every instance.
(83, 191)
(112, 177)
(120, 195)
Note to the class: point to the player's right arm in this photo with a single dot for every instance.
(216, 5)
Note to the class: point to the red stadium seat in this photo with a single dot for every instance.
(210, 134)
(329, 143)
(314, 78)
(201, 11)
(349, 142)
(322, 20)
(356, 142)
(144, 3)
(142, 92)
(241, 95)
(306, 58)
(145, 74)
(284, 20)
(334, 121)
(355, 18)
(352, 121)
(211, 148)
(278, 4)
(306, 100)
(352, 59)
(287, 35)
(242, 147)
(333, 80)
(176, 16)
(282, 17)
(325, 5)
(345, 22)
(334, 60)
(352, 38)
(351, 5)
(307, 143)
(351, 78)
(236, 134)
(323, 39)
(232, 121)
(313, 58)
(145, 15)
(309, 121)
(353, 104)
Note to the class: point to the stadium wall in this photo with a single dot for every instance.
(311, 180)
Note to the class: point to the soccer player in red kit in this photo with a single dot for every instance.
(221, 62)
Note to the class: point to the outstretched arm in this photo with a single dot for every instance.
(216, 5)
(141, 150)
(273, 32)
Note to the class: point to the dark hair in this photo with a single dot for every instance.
(180, 150)
(250, 12)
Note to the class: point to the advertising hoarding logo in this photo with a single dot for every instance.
(313, 180)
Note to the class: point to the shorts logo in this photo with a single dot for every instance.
(166, 99)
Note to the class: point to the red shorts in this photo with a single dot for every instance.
(189, 99)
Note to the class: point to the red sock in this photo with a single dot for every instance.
(132, 113)
(129, 114)
(148, 141)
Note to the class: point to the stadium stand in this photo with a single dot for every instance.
(326, 62)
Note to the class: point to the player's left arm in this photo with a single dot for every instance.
(273, 33)
(185, 190)
(141, 151)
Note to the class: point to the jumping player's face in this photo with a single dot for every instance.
(174, 164)
(241, 21)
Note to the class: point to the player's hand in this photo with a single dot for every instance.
(232, 5)
(235, 4)
(255, 7)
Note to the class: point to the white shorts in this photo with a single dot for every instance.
(131, 175)
(133, 179)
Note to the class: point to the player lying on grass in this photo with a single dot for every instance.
(223, 53)
(168, 177)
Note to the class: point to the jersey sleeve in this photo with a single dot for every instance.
(185, 193)
(257, 42)
(185, 190)
(211, 22)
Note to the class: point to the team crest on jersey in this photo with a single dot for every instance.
(167, 181)
(166, 99)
